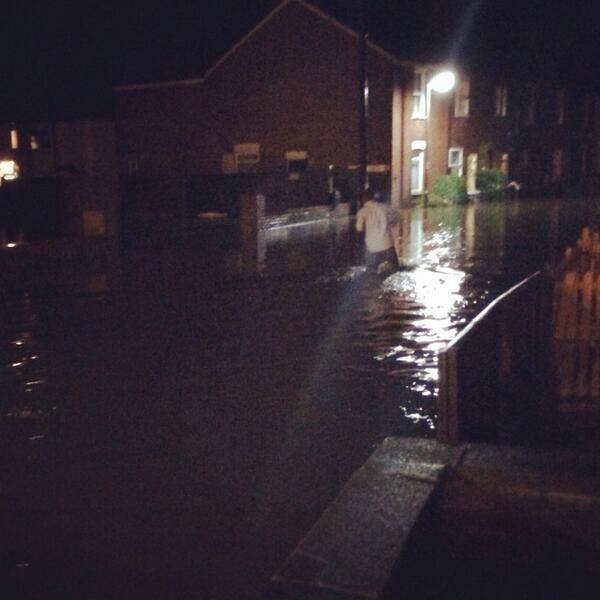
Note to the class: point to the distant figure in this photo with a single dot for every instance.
(373, 218)
(332, 195)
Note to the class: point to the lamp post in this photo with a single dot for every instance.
(441, 83)
(363, 108)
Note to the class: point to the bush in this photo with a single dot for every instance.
(492, 184)
(449, 189)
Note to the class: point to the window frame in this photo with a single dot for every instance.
(460, 164)
(462, 98)
(247, 157)
(419, 94)
(420, 147)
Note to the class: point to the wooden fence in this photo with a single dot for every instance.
(576, 326)
(495, 376)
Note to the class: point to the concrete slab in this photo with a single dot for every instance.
(352, 550)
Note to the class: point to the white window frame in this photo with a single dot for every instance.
(419, 147)
(292, 156)
(247, 156)
(501, 105)
(462, 98)
(419, 94)
(456, 166)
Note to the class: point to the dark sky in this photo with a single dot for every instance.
(62, 57)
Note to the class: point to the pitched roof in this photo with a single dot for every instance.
(281, 6)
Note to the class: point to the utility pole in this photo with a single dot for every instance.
(363, 105)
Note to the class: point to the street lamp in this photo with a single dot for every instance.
(442, 83)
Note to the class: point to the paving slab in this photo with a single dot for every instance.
(352, 550)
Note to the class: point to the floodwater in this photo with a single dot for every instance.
(175, 415)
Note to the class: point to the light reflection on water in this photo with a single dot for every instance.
(201, 400)
(457, 259)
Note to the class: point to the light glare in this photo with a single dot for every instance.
(442, 82)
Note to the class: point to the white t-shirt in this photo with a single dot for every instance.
(373, 218)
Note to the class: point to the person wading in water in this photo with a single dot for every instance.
(373, 218)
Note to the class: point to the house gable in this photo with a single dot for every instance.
(293, 85)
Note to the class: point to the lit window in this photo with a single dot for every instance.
(455, 161)
(501, 101)
(247, 157)
(557, 167)
(504, 163)
(9, 170)
(560, 107)
(14, 139)
(417, 167)
(419, 95)
(461, 99)
(39, 139)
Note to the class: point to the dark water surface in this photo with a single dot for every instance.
(174, 419)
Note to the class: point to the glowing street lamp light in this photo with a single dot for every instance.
(442, 82)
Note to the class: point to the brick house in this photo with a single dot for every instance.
(285, 99)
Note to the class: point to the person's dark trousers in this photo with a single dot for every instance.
(375, 261)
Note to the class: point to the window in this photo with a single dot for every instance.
(9, 170)
(417, 167)
(504, 162)
(461, 99)
(531, 104)
(560, 107)
(501, 101)
(557, 167)
(14, 139)
(419, 95)
(297, 161)
(247, 157)
(39, 139)
(455, 161)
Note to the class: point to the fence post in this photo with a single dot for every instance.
(252, 218)
(448, 426)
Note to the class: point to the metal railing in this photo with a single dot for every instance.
(494, 376)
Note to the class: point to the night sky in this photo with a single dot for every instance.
(63, 57)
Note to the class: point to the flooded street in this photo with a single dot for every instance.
(174, 419)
